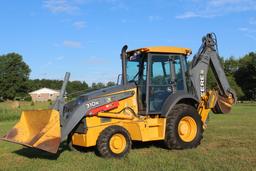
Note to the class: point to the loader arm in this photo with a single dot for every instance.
(207, 56)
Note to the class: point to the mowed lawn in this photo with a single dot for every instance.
(229, 143)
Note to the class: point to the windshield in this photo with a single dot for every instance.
(136, 68)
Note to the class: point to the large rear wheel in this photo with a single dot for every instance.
(183, 127)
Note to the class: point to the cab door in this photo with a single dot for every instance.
(165, 76)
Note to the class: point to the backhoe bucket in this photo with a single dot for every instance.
(38, 129)
(223, 105)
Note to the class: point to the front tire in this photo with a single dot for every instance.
(114, 142)
(184, 128)
(70, 145)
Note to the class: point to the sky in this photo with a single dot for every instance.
(85, 37)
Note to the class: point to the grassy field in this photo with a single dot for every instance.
(229, 144)
(10, 111)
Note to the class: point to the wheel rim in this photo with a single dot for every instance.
(187, 129)
(117, 143)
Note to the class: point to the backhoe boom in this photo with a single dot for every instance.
(206, 57)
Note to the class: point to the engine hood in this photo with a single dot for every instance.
(105, 91)
(72, 105)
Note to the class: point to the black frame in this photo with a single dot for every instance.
(172, 72)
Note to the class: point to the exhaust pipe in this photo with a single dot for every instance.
(123, 58)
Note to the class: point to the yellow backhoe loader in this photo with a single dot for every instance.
(160, 97)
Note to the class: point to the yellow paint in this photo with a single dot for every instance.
(117, 143)
(207, 102)
(164, 49)
(128, 102)
(37, 128)
(187, 129)
(117, 116)
(140, 129)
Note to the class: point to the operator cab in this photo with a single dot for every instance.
(158, 72)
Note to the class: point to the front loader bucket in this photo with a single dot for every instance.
(38, 129)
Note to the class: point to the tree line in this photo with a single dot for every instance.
(241, 74)
(15, 82)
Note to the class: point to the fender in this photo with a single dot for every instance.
(175, 98)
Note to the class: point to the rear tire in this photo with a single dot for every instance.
(114, 142)
(184, 128)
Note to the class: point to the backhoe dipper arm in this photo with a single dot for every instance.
(206, 56)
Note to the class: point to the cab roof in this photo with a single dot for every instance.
(164, 49)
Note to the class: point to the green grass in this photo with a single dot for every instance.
(229, 144)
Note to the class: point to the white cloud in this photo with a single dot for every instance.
(191, 14)
(46, 65)
(80, 1)
(60, 6)
(127, 21)
(49, 63)
(73, 6)
(188, 14)
(223, 2)
(213, 8)
(72, 44)
(95, 60)
(248, 32)
(114, 4)
(153, 18)
(233, 5)
(253, 37)
(79, 24)
(243, 29)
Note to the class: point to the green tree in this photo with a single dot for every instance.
(110, 83)
(96, 86)
(230, 66)
(211, 81)
(14, 74)
(100, 85)
(37, 84)
(235, 87)
(245, 75)
(76, 88)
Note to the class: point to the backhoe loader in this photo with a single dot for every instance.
(160, 97)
